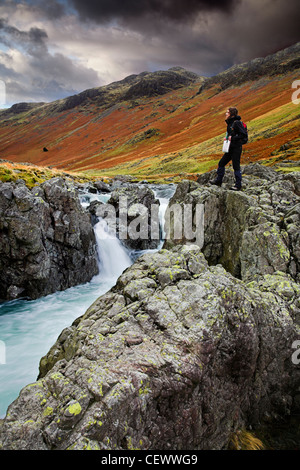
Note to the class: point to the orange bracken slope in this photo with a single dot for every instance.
(179, 124)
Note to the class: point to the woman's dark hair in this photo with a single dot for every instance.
(233, 112)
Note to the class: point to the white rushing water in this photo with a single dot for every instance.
(28, 329)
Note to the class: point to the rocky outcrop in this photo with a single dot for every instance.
(252, 232)
(279, 63)
(47, 242)
(19, 108)
(137, 216)
(145, 84)
(160, 82)
(193, 343)
(177, 355)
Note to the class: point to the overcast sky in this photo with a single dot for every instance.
(55, 48)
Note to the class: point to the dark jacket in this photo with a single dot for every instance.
(235, 130)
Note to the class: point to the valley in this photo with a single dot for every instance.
(160, 125)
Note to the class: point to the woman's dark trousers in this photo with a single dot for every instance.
(234, 154)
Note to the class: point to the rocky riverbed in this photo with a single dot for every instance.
(191, 344)
(251, 232)
(47, 242)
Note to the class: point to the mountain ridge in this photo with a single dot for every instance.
(145, 84)
(159, 124)
(272, 64)
(280, 62)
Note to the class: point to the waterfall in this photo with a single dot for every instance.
(113, 257)
(163, 194)
(28, 328)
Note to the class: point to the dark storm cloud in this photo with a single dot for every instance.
(10, 34)
(261, 28)
(217, 33)
(31, 72)
(48, 77)
(51, 9)
(60, 47)
(124, 10)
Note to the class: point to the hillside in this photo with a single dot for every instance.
(161, 124)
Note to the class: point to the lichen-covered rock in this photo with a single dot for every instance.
(251, 232)
(177, 355)
(137, 212)
(47, 242)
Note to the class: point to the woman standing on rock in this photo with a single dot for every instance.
(236, 134)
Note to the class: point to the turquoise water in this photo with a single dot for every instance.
(28, 329)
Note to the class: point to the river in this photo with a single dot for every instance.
(28, 328)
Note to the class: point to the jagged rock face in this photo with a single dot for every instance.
(21, 108)
(47, 242)
(180, 353)
(139, 228)
(177, 355)
(253, 232)
(132, 87)
(159, 83)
